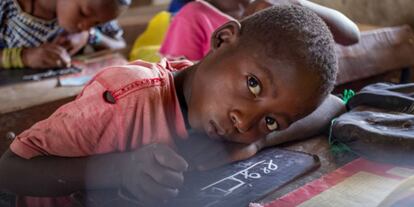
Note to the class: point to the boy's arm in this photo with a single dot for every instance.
(47, 55)
(344, 30)
(59, 175)
(313, 124)
(153, 172)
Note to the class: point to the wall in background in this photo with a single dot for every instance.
(377, 12)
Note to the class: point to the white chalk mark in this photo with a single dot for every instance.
(232, 176)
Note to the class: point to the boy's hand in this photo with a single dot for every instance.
(204, 153)
(46, 56)
(72, 42)
(152, 174)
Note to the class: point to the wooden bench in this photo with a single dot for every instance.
(383, 54)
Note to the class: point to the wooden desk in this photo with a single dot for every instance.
(316, 145)
(329, 162)
(25, 95)
(24, 104)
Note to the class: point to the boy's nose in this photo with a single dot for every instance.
(240, 122)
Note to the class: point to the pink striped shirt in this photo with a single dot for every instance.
(189, 34)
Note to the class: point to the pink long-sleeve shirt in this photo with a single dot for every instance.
(189, 34)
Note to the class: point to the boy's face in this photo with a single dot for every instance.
(79, 15)
(241, 95)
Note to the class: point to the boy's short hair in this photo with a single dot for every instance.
(296, 34)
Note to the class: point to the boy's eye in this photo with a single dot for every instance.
(254, 85)
(271, 124)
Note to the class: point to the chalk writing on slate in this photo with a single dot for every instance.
(233, 185)
(243, 182)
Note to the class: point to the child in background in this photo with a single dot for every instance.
(147, 45)
(124, 131)
(44, 34)
(189, 33)
(176, 5)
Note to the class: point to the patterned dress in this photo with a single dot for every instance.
(20, 29)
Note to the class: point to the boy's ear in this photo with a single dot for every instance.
(228, 33)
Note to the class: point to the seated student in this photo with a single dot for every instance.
(189, 33)
(125, 128)
(147, 44)
(44, 34)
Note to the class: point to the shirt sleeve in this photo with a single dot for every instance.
(111, 29)
(82, 127)
(183, 39)
(3, 10)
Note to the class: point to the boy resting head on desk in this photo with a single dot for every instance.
(126, 128)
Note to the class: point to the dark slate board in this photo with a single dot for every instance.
(243, 182)
(240, 183)
(11, 76)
